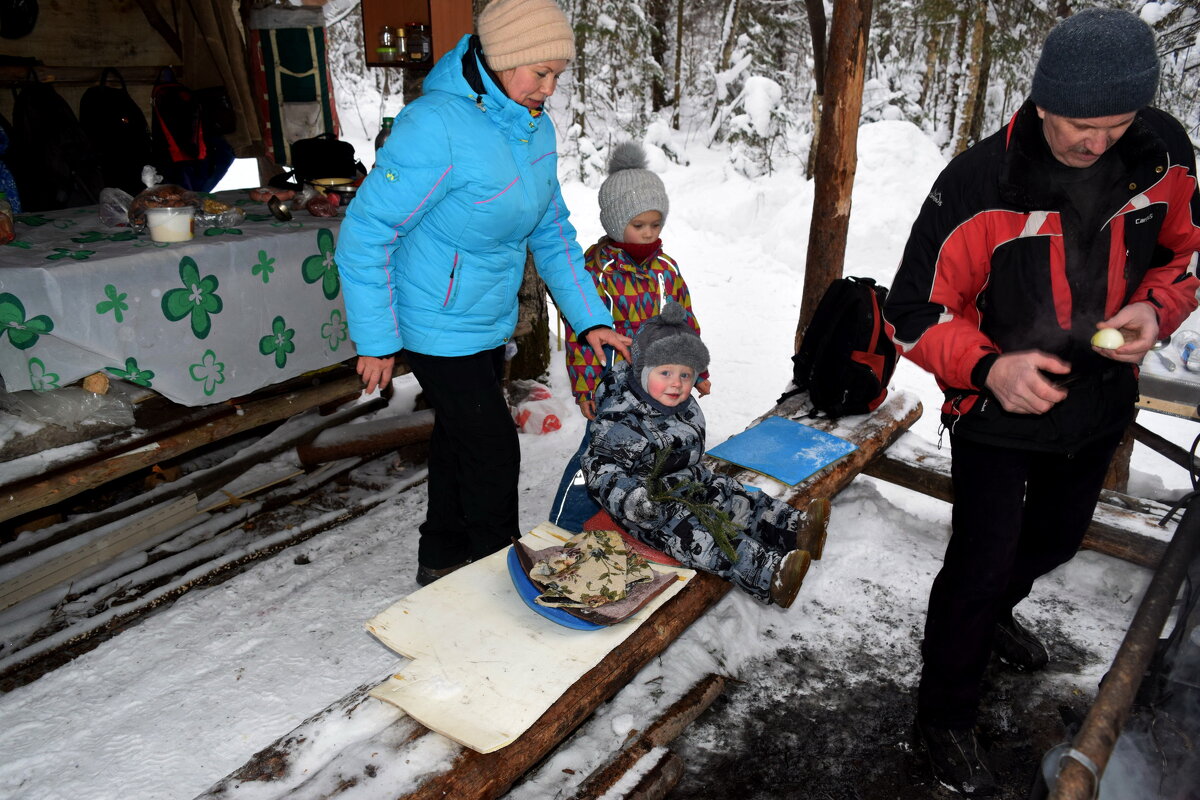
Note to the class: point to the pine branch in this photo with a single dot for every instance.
(690, 494)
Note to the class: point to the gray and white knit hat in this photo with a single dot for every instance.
(667, 339)
(629, 190)
(1099, 62)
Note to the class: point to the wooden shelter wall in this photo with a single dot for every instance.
(91, 34)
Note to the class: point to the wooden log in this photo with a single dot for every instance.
(367, 438)
(482, 776)
(659, 779)
(1166, 448)
(46, 491)
(1122, 526)
(660, 733)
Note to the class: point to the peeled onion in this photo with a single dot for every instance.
(1108, 339)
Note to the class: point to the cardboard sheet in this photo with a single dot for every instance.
(783, 449)
(484, 667)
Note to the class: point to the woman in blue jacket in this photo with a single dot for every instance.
(432, 252)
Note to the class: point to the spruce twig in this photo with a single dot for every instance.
(690, 494)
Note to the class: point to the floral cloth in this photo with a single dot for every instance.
(593, 568)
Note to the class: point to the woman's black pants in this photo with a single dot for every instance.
(474, 458)
(1017, 515)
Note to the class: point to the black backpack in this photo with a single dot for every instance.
(118, 131)
(845, 359)
(50, 156)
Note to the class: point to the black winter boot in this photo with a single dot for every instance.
(426, 575)
(957, 759)
(1017, 647)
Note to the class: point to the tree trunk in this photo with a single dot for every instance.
(837, 154)
(931, 59)
(678, 64)
(956, 71)
(659, 12)
(532, 335)
(975, 131)
(974, 71)
(580, 68)
(816, 25)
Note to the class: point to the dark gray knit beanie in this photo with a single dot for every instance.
(630, 189)
(667, 339)
(1097, 63)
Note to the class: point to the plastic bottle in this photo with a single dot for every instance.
(384, 132)
(6, 220)
(1188, 345)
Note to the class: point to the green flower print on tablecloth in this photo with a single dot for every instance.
(133, 373)
(90, 237)
(279, 342)
(334, 331)
(64, 252)
(39, 378)
(209, 371)
(22, 333)
(264, 267)
(197, 299)
(322, 267)
(115, 303)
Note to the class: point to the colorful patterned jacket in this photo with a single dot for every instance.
(985, 272)
(633, 293)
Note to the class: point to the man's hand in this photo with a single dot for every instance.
(375, 372)
(1017, 381)
(587, 407)
(704, 387)
(597, 338)
(1138, 323)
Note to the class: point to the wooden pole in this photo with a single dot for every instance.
(1098, 735)
(837, 154)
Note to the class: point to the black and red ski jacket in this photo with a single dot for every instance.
(984, 271)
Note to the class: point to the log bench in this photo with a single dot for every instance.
(295, 766)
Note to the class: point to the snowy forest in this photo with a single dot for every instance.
(749, 74)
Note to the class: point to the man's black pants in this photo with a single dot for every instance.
(1017, 515)
(474, 458)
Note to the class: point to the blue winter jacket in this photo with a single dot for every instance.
(432, 249)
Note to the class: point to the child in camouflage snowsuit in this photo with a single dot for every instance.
(643, 464)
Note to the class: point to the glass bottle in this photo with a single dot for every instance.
(384, 132)
(419, 43)
(386, 51)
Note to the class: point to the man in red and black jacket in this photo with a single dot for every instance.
(1082, 213)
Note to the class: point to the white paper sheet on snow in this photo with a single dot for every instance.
(485, 667)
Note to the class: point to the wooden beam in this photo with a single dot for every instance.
(1122, 526)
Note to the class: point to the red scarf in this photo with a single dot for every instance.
(640, 252)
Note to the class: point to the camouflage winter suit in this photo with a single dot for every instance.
(629, 430)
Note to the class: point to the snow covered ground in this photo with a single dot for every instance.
(170, 706)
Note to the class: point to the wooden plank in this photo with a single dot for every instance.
(40, 493)
(120, 539)
(482, 776)
(1122, 526)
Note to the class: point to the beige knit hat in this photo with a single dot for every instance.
(517, 32)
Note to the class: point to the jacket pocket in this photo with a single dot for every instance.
(452, 288)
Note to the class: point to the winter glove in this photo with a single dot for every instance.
(637, 505)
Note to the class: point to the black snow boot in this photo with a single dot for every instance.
(1017, 647)
(957, 759)
(426, 575)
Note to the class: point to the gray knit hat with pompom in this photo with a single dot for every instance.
(629, 190)
(667, 339)
(1099, 62)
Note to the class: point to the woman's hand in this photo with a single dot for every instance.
(597, 338)
(375, 372)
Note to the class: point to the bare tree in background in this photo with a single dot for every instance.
(817, 25)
